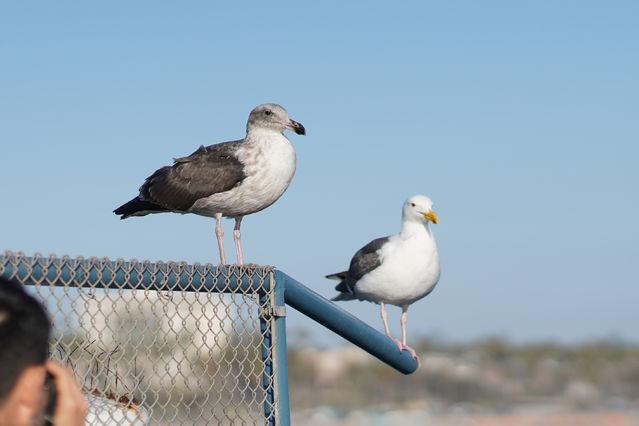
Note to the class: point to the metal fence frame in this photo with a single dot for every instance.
(286, 291)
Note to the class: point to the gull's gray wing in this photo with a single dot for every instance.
(209, 170)
(365, 260)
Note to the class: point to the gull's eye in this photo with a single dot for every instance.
(412, 204)
(268, 112)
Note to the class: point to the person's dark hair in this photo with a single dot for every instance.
(24, 334)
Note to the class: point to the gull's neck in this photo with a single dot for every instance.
(257, 133)
(412, 229)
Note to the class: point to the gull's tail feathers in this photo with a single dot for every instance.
(343, 297)
(345, 291)
(339, 276)
(137, 207)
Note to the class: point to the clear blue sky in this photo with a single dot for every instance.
(519, 119)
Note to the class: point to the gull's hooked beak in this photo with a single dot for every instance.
(431, 216)
(296, 127)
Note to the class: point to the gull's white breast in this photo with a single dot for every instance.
(269, 164)
(409, 270)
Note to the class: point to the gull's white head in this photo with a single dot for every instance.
(272, 117)
(419, 208)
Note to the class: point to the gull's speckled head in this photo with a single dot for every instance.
(273, 117)
(419, 208)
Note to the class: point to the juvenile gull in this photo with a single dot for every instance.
(397, 270)
(230, 179)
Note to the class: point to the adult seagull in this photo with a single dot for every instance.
(397, 270)
(230, 179)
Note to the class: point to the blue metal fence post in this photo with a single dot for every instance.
(274, 354)
(267, 358)
(280, 355)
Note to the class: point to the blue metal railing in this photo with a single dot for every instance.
(180, 276)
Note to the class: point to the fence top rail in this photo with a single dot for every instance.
(96, 272)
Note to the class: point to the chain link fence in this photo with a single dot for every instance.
(160, 343)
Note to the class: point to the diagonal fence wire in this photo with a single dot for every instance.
(159, 343)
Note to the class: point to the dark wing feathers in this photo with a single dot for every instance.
(209, 170)
(365, 260)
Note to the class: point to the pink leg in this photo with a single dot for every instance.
(403, 320)
(219, 233)
(238, 244)
(404, 345)
(385, 319)
(387, 329)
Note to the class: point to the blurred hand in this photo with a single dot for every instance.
(70, 407)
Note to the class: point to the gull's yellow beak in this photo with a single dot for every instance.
(431, 216)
